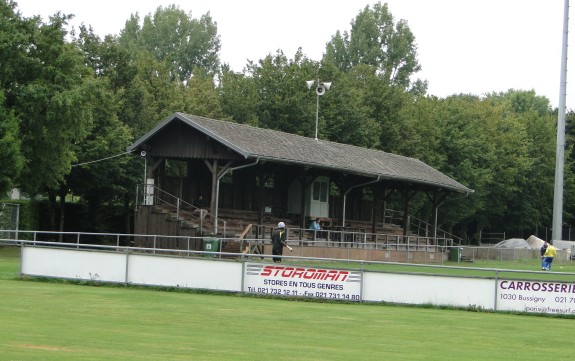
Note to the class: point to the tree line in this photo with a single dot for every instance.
(69, 97)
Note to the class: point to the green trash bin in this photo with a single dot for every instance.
(455, 254)
(211, 245)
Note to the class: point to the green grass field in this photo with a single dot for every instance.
(63, 321)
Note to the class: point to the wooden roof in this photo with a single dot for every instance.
(271, 145)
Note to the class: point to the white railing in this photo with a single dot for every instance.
(347, 249)
(418, 226)
(323, 239)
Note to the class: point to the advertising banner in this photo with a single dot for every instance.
(536, 296)
(312, 282)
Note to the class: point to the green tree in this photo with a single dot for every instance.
(11, 160)
(104, 175)
(284, 102)
(376, 40)
(522, 101)
(348, 113)
(451, 135)
(13, 45)
(534, 113)
(14, 42)
(115, 63)
(420, 131)
(273, 94)
(238, 96)
(48, 92)
(199, 96)
(177, 39)
(385, 55)
(569, 168)
(168, 64)
(505, 154)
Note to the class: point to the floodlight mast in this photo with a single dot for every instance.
(557, 228)
(321, 88)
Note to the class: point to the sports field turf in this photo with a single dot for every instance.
(61, 321)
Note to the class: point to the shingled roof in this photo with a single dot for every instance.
(266, 144)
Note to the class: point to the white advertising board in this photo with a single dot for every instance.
(429, 289)
(74, 264)
(284, 280)
(184, 272)
(536, 296)
(275, 279)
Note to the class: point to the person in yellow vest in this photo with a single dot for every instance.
(278, 241)
(550, 253)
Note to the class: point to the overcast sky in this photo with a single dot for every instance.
(474, 47)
